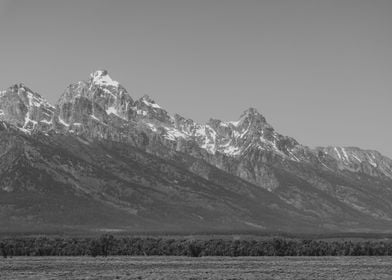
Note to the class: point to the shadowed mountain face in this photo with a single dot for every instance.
(100, 160)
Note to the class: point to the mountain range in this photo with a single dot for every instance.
(100, 160)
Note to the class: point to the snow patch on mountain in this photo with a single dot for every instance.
(235, 123)
(29, 124)
(46, 121)
(173, 134)
(150, 104)
(102, 78)
(114, 111)
(371, 160)
(231, 150)
(141, 112)
(151, 126)
(63, 122)
(345, 154)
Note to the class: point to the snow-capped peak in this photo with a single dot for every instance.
(248, 114)
(26, 109)
(102, 78)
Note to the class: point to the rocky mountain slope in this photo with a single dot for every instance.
(100, 160)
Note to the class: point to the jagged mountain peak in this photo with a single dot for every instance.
(94, 100)
(98, 85)
(251, 114)
(251, 111)
(102, 78)
(24, 108)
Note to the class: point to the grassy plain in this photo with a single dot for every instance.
(176, 268)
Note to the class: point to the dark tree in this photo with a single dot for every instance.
(3, 250)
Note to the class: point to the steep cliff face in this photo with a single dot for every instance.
(133, 158)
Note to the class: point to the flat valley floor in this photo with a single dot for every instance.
(196, 268)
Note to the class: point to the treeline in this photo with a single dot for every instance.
(108, 245)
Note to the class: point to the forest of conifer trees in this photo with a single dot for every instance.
(109, 245)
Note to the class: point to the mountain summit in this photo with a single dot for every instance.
(25, 109)
(99, 159)
(102, 78)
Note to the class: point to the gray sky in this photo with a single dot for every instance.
(320, 71)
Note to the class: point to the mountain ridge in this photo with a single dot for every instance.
(267, 180)
(125, 108)
(101, 78)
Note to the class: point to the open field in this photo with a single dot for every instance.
(196, 268)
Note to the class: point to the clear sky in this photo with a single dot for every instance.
(318, 70)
